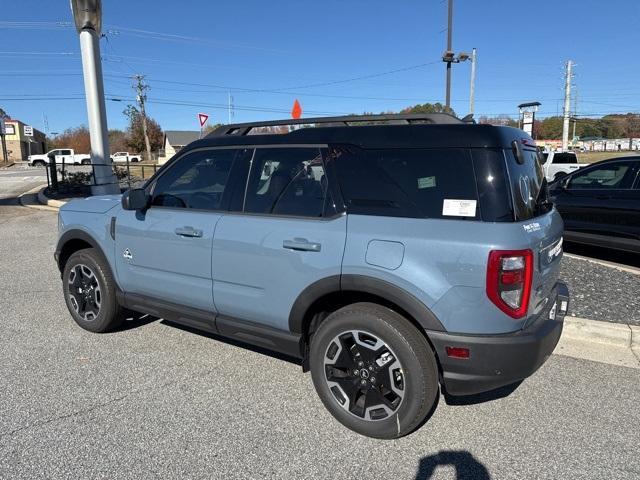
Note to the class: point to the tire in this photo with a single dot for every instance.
(90, 292)
(135, 160)
(405, 364)
(38, 163)
(85, 162)
(559, 175)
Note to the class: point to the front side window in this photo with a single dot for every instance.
(610, 176)
(196, 181)
(65, 152)
(287, 181)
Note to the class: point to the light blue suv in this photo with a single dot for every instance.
(395, 256)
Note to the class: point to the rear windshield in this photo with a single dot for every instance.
(528, 185)
(565, 157)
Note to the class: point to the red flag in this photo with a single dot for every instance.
(296, 112)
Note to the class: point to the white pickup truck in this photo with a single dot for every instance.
(124, 157)
(62, 155)
(558, 164)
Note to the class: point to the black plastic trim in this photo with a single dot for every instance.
(182, 314)
(243, 331)
(260, 335)
(309, 295)
(381, 288)
(75, 234)
(361, 284)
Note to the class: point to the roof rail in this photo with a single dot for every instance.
(342, 121)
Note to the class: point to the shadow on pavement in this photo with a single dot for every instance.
(465, 465)
(484, 397)
(135, 320)
(235, 343)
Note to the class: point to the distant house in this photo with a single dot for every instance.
(174, 140)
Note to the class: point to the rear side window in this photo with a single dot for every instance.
(287, 181)
(420, 183)
(565, 157)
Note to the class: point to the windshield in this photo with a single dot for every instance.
(528, 185)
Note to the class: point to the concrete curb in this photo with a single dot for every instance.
(44, 200)
(617, 334)
(9, 165)
(30, 200)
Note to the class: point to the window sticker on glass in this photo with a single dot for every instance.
(459, 208)
(426, 182)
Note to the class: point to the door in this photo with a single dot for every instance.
(600, 201)
(63, 156)
(285, 237)
(165, 252)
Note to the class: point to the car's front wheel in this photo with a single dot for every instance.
(90, 292)
(374, 371)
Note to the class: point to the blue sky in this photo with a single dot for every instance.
(305, 50)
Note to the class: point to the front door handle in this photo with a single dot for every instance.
(301, 244)
(188, 232)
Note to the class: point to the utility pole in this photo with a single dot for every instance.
(567, 106)
(575, 113)
(472, 88)
(140, 87)
(230, 106)
(449, 49)
(87, 15)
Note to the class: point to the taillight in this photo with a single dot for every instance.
(509, 277)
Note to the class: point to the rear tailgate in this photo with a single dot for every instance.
(541, 225)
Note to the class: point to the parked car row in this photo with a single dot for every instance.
(67, 156)
(600, 204)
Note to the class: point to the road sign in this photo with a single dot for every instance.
(202, 118)
(296, 111)
(28, 131)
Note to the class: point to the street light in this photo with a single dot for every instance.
(450, 57)
(87, 15)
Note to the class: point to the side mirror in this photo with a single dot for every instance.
(135, 199)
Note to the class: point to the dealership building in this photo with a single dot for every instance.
(18, 144)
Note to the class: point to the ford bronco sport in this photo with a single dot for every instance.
(396, 256)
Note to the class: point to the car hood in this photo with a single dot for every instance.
(97, 204)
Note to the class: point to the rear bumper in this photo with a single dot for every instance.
(499, 360)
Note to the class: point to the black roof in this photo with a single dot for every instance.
(396, 131)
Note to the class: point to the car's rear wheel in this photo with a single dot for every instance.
(559, 175)
(374, 371)
(85, 162)
(90, 292)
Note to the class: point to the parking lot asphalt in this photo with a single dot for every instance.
(156, 401)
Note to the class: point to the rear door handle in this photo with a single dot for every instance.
(301, 244)
(188, 232)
